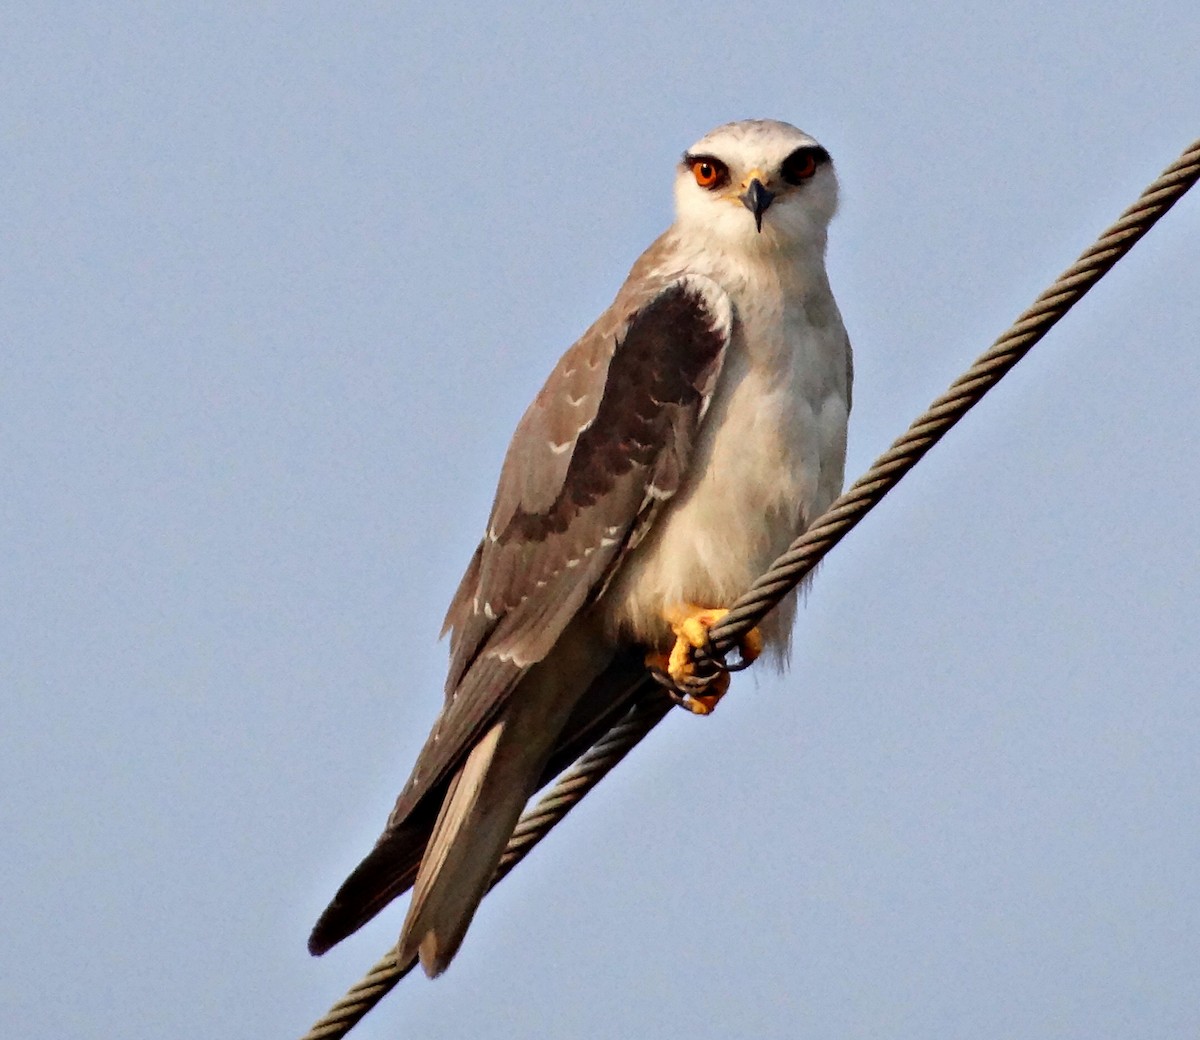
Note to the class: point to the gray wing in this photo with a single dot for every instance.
(605, 443)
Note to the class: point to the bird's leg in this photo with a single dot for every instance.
(701, 685)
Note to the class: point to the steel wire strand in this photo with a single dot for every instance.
(807, 551)
(651, 706)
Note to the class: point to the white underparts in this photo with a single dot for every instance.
(769, 459)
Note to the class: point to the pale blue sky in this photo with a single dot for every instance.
(276, 282)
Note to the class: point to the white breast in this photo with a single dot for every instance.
(770, 459)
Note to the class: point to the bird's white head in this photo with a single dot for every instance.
(759, 185)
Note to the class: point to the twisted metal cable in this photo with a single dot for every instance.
(652, 705)
(360, 998)
(650, 708)
(588, 770)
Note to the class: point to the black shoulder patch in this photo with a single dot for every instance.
(659, 367)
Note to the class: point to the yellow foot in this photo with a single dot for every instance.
(700, 685)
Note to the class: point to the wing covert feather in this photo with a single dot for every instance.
(628, 399)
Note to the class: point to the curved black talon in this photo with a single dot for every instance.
(685, 693)
(718, 664)
(672, 690)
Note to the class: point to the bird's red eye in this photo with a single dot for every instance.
(802, 164)
(709, 173)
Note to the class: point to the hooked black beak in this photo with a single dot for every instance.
(756, 199)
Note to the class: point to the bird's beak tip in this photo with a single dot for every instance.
(756, 199)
